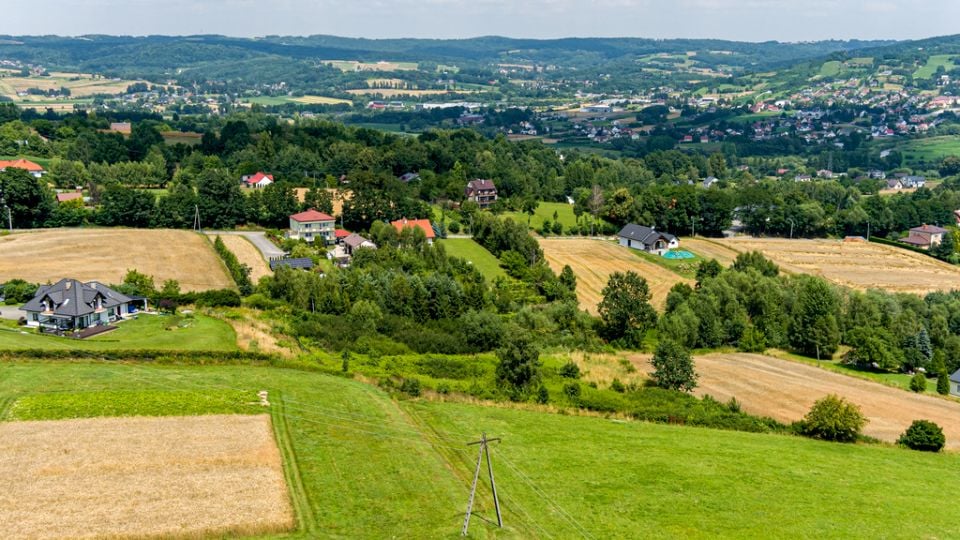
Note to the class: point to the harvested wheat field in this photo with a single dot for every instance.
(859, 265)
(709, 249)
(247, 254)
(785, 390)
(106, 255)
(594, 260)
(142, 477)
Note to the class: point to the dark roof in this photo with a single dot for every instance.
(303, 263)
(646, 235)
(71, 298)
(928, 229)
(916, 240)
(354, 240)
(480, 185)
(956, 376)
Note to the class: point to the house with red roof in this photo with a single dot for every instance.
(422, 224)
(257, 181)
(312, 225)
(36, 170)
(925, 236)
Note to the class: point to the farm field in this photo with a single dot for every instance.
(113, 477)
(361, 464)
(928, 149)
(246, 253)
(593, 261)
(785, 390)
(106, 254)
(482, 260)
(306, 100)
(394, 92)
(149, 332)
(859, 265)
(353, 65)
(927, 70)
(709, 249)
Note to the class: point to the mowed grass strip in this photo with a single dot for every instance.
(63, 405)
(151, 332)
(105, 255)
(167, 477)
(482, 260)
(635, 480)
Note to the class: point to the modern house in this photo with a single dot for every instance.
(36, 170)
(422, 224)
(257, 181)
(72, 305)
(482, 192)
(311, 225)
(925, 236)
(647, 239)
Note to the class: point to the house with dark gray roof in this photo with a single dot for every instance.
(647, 239)
(70, 304)
(355, 242)
(955, 383)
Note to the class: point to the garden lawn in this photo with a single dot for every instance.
(151, 332)
(545, 212)
(482, 260)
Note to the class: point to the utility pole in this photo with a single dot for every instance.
(484, 443)
(196, 219)
(9, 219)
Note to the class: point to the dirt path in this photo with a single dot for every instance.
(785, 390)
(593, 261)
(247, 253)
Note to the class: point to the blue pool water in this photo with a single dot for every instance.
(678, 254)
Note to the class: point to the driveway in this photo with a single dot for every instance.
(258, 239)
(12, 313)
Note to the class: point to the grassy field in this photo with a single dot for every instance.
(929, 149)
(305, 100)
(927, 70)
(830, 69)
(353, 65)
(482, 260)
(106, 254)
(362, 465)
(163, 332)
(593, 261)
(545, 212)
(859, 265)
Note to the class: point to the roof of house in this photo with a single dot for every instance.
(355, 241)
(423, 224)
(640, 233)
(409, 177)
(69, 196)
(311, 215)
(956, 376)
(341, 233)
(928, 229)
(916, 240)
(893, 182)
(21, 164)
(259, 177)
(481, 184)
(302, 263)
(71, 298)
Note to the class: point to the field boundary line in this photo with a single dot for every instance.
(5, 405)
(299, 500)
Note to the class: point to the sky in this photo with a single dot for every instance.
(741, 20)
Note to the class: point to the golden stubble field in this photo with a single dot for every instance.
(593, 261)
(247, 254)
(170, 477)
(106, 254)
(858, 265)
(785, 390)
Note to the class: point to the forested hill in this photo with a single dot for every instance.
(141, 56)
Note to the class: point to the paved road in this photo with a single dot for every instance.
(258, 239)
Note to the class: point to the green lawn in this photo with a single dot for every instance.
(366, 466)
(899, 380)
(152, 332)
(929, 149)
(544, 212)
(830, 69)
(483, 260)
(684, 267)
(927, 70)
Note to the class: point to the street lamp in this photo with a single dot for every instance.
(791, 227)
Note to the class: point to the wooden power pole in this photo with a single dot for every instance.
(484, 443)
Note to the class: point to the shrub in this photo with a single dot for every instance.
(572, 390)
(833, 418)
(454, 227)
(443, 388)
(673, 367)
(617, 386)
(543, 395)
(215, 298)
(238, 271)
(918, 383)
(923, 435)
(410, 387)
(943, 383)
(570, 370)
(557, 228)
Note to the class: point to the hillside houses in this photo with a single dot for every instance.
(312, 225)
(925, 236)
(481, 191)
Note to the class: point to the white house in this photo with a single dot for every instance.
(257, 181)
(647, 239)
(311, 225)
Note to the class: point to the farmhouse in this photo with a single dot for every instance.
(482, 192)
(422, 224)
(257, 181)
(310, 225)
(36, 170)
(925, 236)
(647, 239)
(72, 305)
